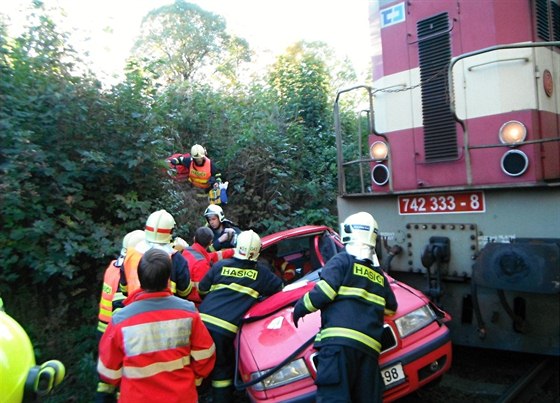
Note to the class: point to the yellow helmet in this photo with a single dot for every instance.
(248, 246)
(21, 378)
(197, 151)
(159, 227)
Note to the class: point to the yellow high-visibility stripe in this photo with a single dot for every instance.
(101, 326)
(327, 289)
(106, 303)
(363, 294)
(156, 368)
(199, 355)
(222, 383)
(236, 287)
(308, 304)
(349, 334)
(218, 322)
(107, 372)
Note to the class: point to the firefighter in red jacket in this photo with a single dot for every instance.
(200, 260)
(156, 348)
(353, 296)
(201, 170)
(229, 289)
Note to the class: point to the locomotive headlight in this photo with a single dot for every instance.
(378, 151)
(512, 132)
(292, 372)
(415, 320)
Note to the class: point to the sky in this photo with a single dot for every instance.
(106, 29)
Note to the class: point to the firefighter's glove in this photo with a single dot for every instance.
(174, 161)
(179, 244)
(298, 313)
(227, 235)
(105, 393)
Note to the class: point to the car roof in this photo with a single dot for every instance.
(305, 230)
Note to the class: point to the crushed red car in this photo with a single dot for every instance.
(276, 361)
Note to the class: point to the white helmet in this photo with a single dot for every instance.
(359, 234)
(248, 246)
(197, 151)
(159, 227)
(214, 209)
(130, 240)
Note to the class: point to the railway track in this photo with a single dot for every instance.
(482, 376)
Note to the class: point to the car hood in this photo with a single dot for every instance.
(268, 335)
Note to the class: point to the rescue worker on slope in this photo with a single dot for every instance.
(202, 171)
(225, 231)
(228, 290)
(106, 393)
(158, 235)
(200, 260)
(353, 296)
(156, 348)
(20, 379)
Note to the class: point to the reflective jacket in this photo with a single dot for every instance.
(110, 286)
(180, 282)
(199, 261)
(200, 176)
(229, 289)
(155, 348)
(353, 297)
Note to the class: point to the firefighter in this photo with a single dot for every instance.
(106, 393)
(111, 280)
(158, 235)
(225, 231)
(156, 348)
(20, 379)
(353, 296)
(200, 260)
(202, 172)
(228, 290)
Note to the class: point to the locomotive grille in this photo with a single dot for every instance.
(434, 49)
(541, 14)
(547, 20)
(555, 21)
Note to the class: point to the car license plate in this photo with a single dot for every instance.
(392, 374)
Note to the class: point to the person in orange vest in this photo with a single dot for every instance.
(156, 348)
(158, 235)
(287, 271)
(200, 260)
(111, 280)
(106, 393)
(202, 171)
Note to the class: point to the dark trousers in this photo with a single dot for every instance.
(345, 374)
(222, 375)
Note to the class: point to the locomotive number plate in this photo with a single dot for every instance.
(443, 203)
(392, 374)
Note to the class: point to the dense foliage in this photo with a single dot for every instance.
(81, 165)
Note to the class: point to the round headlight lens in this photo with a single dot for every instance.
(378, 151)
(512, 132)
